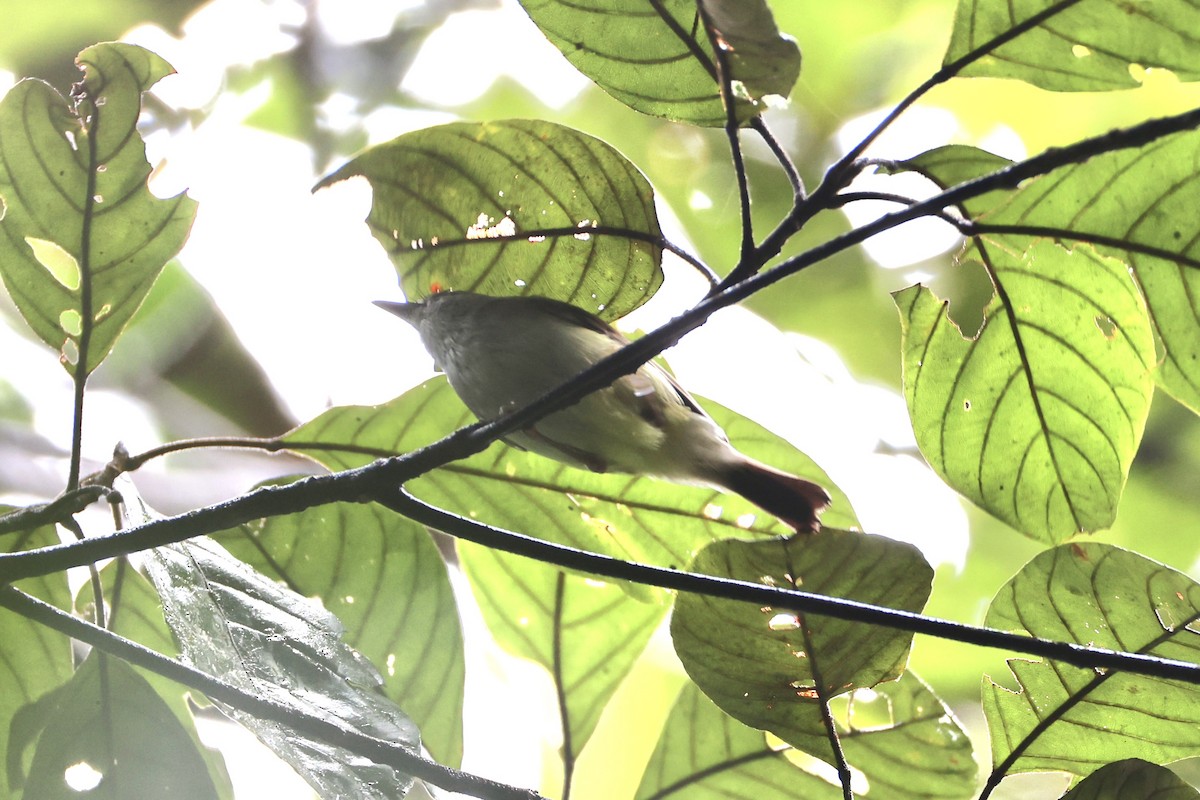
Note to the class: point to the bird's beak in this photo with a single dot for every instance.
(406, 311)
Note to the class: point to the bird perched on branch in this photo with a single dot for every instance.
(500, 353)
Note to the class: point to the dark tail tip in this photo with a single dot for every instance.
(796, 501)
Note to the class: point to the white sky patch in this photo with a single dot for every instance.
(461, 60)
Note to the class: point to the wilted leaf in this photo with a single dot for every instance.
(81, 237)
(657, 58)
(445, 198)
(1089, 46)
(263, 638)
(1077, 720)
(756, 664)
(384, 579)
(111, 731)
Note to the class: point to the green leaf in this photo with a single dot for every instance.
(1077, 720)
(1137, 204)
(382, 576)
(1037, 417)
(507, 208)
(33, 659)
(634, 518)
(585, 632)
(263, 638)
(657, 57)
(1089, 46)
(134, 610)
(899, 737)
(757, 663)
(111, 731)
(1132, 779)
(81, 237)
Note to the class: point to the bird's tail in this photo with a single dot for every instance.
(794, 500)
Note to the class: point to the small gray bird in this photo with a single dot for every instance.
(501, 353)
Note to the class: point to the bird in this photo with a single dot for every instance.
(501, 353)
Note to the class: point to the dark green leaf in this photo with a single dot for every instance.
(1077, 720)
(79, 224)
(756, 664)
(1037, 417)
(384, 579)
(33, 659)
(585, 632)
(657, 57)
(634, 518)
(135, 611)
(1132, 779)
(263, 638)
(111, 731)
(506, 208)
(1090, 46)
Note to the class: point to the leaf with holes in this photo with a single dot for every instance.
(1077, 720)
(1132, 779)
(384, 579)
(758, 664)
(1037, 417)
(586, 633)
(513, 208)
(633, 518)
(901, 741)
(34, 660)
(657, 57)
(111, 734)
(81, 237)
(1137, 204)
(1085, 46)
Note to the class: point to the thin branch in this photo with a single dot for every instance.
(823, 698)
(382, 752)
(560, 688)
(58, 509)
(781, 155)
(799, 601)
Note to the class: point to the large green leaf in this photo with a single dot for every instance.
(1088, 46)
(657, 57)
(1138, 204)
(384, 579)
(900, 740)
(1132, 779)
(586, 633)
(261, 637)
(81, 237)
(633, 518)
(506, 208)
(110, 730)
(33, 659)
(1037, 416)
(758, 664)
(1077, 720)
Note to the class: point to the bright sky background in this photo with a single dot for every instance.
(295, 273)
